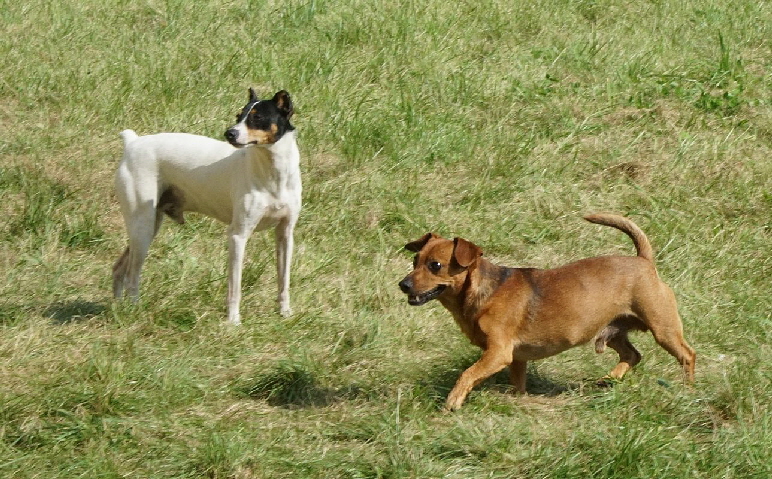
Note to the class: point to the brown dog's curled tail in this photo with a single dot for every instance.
(625, 225)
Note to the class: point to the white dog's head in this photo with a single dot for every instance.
(261, 122)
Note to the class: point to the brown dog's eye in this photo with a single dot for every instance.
(415, 261)
(434, 266)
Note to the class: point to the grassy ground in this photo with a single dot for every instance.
(499, 121)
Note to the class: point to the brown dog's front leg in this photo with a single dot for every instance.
(491, 362)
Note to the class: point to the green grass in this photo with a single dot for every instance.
(499, 121)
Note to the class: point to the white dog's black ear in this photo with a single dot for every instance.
(252, 96)
(284, 102)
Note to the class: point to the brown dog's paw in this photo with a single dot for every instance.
(607, 382)
(454, 402)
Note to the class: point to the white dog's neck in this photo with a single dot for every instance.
(282, 153)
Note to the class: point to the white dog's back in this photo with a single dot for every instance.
(184, 150)
(196, 166)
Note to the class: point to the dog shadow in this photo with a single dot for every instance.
(441, 380)
(62, 313)
(293, 386)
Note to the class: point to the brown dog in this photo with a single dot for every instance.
(521, 314)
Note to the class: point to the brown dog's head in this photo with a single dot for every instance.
(440, 265)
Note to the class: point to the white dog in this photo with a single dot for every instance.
(251, 183)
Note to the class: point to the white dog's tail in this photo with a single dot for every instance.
(128, 136)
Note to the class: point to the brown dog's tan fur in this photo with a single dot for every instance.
(521, 314)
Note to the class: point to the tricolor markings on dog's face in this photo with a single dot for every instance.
(261, 122)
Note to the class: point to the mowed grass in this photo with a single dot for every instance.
(502, 122)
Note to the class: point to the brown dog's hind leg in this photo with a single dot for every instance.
(672, 340)
(628, 355)
(660, 313)
(517, 376)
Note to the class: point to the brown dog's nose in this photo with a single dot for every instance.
(406, 285)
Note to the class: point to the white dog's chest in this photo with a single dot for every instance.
(272, 213)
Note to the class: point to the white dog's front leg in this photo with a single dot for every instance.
(236, 246)
(284, 246)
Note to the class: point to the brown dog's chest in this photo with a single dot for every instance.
(489, 305)
(472, 331)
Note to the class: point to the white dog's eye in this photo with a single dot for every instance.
(434, 266)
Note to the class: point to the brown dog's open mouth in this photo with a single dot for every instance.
(419, 299)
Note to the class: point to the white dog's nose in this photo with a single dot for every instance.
(231, 135)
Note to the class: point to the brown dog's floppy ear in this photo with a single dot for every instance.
(284, 102)
(252, 96)
(464, 252)
(417, 245)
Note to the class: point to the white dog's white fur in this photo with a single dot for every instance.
(250, 188)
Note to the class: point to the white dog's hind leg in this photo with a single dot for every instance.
(121, 266)
(144, 224)
(119, 273)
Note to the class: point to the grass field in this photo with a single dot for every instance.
(499, 121)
